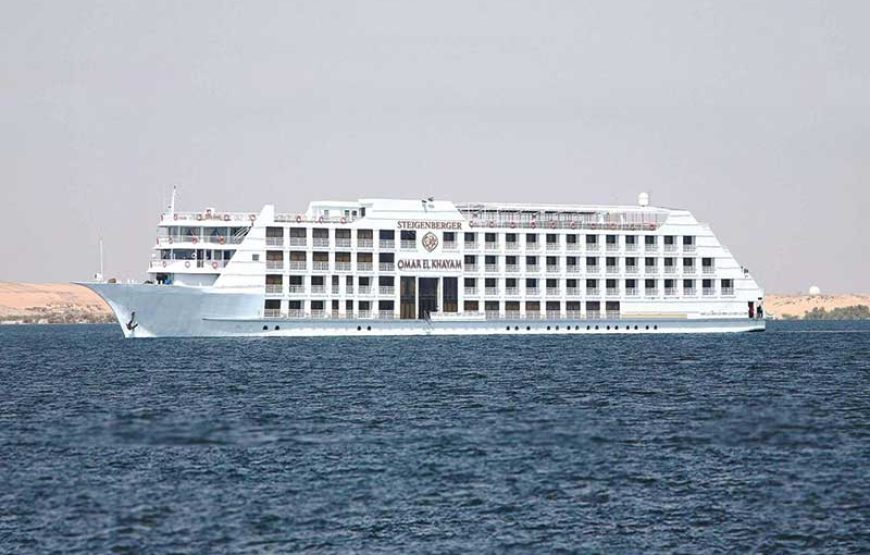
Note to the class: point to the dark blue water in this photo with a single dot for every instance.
(717, 443)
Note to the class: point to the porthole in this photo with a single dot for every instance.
(368, 328)
(596, 327)
(508, 328)
(568, 328)
(635, 326)
(608, 328)
(359, 328)
(277, 328)
(655, 327)
(557, 328)
(516, 328)
(528, 328)
(588, 328)
(265, 328)
(647, 327)
(616, 328)
(548, 328)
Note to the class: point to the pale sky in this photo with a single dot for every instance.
(753, 115)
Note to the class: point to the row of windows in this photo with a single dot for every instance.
(468, 306)
(491, 259)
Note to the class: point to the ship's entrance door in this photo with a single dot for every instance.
(428, 297)
(408, 298)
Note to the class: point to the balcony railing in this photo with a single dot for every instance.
(592, 269)
(552, 268)
(271, 312)
(451, 246)
(342, 242)
(592, 247)
(670, 248)
(364, 243)
(631, 270)
(511, 245)
(613, 291)
(408, 244)
(592, 291)
(298, 264)
(532, 291)
(471, 267)
(386, 266)
(709, 291)
(573, 314)
(274, 241)
(491, 246)
(727, 291)
(364, 266)
(471, 245)
(651, 247)
(689, 248)
(613, 270)
(532, 268)
(651, 292)
(708, 269)
(274, 289)
(593, 315)
(296, 313)
(670, 269)
(631, 292)
(512, 291)
(471, 291)
(296, 289)
(342, 266)
(552, 291)
(320, 266)
(554, 314)
(386, 315)
(512, 268)
(365, 290)
(689, 291)
(298, 241)
(320, 241)
(364, 314)
(613, 315)
(688, 269)
(631, 247)
(386, 290)
(654, 269)
(274, 264)
(491, 268)
(670, 291)
(318, 289)
(493, 315)
(612, 247)
(553, 246)
(387, 244)
(572, 269)
(533, 246)
(572, 291)
(491, 291)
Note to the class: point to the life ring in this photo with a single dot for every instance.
(164, 263)
(226, 217)
(652, 227)
(612, 226)
(573, 225)
(253, 217)
(552, 225)
(170, 239)
(214, 265)
(187, 263)
(161, 217)
(298, 218)
(343, 220)
(491, 223)
(194, 240)
(533, 225)
(221, 240)
(175, 216)
(199, 217)
(320, 220)
(513, 225)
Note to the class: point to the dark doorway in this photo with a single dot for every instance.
(408, 298)
(428, 297)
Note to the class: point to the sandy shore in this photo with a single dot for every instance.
(51, 302)
(796, 305)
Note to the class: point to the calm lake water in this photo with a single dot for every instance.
(615, 444)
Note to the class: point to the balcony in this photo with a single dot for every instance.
(592, 269)
(386, 314)
(512, 268)
(274, 290)
(386, 290)
(471, 291)
(612, 270)
(364, 243)
(533, 315)
(320, 266)
(491, 246)
(553, 246)
(512, 315)
(689, 248)
(512, 291)
(631, 291)
(271, 312)
(296, 313)
(708, 270)
(298, 241)
(471, 245)
(450, 246)
(296, 289)
(408, 244)
(689, 291)
(298, 265)
(491, 268)
(320, 242)
(688, 270)
(364, 290)
(364, 267)
(727, 291)
(593, 314)
(612, 247)
(670, 269)
(512, 246)
(670, 248)
(613, 315)
(709, 291)
(651, 247)
(572, 291)
(573, 314)
(651, 292)
(348, 290)
(318, 289)
(532, 247)
(631, 270)
(592, 291)
(532, 268)
(552, 268)
(532, 291)
(573, 246)
(552, 291)
(631, 247)
(318, 314)
(651, 269)
(342, 266)
(274, 241)
(493, 315)
(274, 264)
(491, 291)
(386, 266)
(387, 244)
(342, 242)
(670, 291)
(364, 314)
(471, 267)
(593, 247)
(572, 269)
(554, 315)
(613, 291)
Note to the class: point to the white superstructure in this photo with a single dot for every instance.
(377, 266)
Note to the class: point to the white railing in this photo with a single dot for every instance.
(386, 266)
(688, 269)
(274, 264)
(451, 246)
(298, 264)
(554, 315)
(320, 241)
(572, 291)
(689, 291)
(670, 248)
(592, 247)
(493, 315)
(727, 291)
(274, 241)
(296, 289)
(387, 244)
(491, 268)
(471, 245)
(613, 269)
(315, 289)
(386, 290)
(491, 246)
(651, 292)
(670, 291)
(513, 291)
(572, 269)
(342, 242)
(631, 270)
(208, 216)
(271, 312)
(320, 266)
(613, 291)
(553, 291)
(512, 268)
(553, 246)
(386, 314)
(364, 314)
(298, 241)
(592, 291)
(365, 290)
(364, 243)
(613, 315)
(552, 269)
(631, 247)
(708, 269)
(689, 248)
(573, 246)
(364, 266)
(670, 269)
(592, 269)
(408, 244)
(654, 269)
(631, 292)
(471, 267)
(342, 266)
(653, 247)
(533, 246)
(593, 315)
(709, 291)
(274, 289)
(471, 291)
(511, 245)
(533, 291)
(612, 247)
(491, 291)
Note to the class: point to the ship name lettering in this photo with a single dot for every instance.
(412, 224)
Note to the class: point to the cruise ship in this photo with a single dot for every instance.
(426, 266)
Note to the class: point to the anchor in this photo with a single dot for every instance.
(132, 324)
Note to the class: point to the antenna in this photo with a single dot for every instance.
(172, 202)
(99, 276)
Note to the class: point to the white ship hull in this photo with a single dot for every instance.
(179, 311)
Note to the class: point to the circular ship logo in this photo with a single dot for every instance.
(430, 241)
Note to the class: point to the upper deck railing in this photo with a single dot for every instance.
(487, 217)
